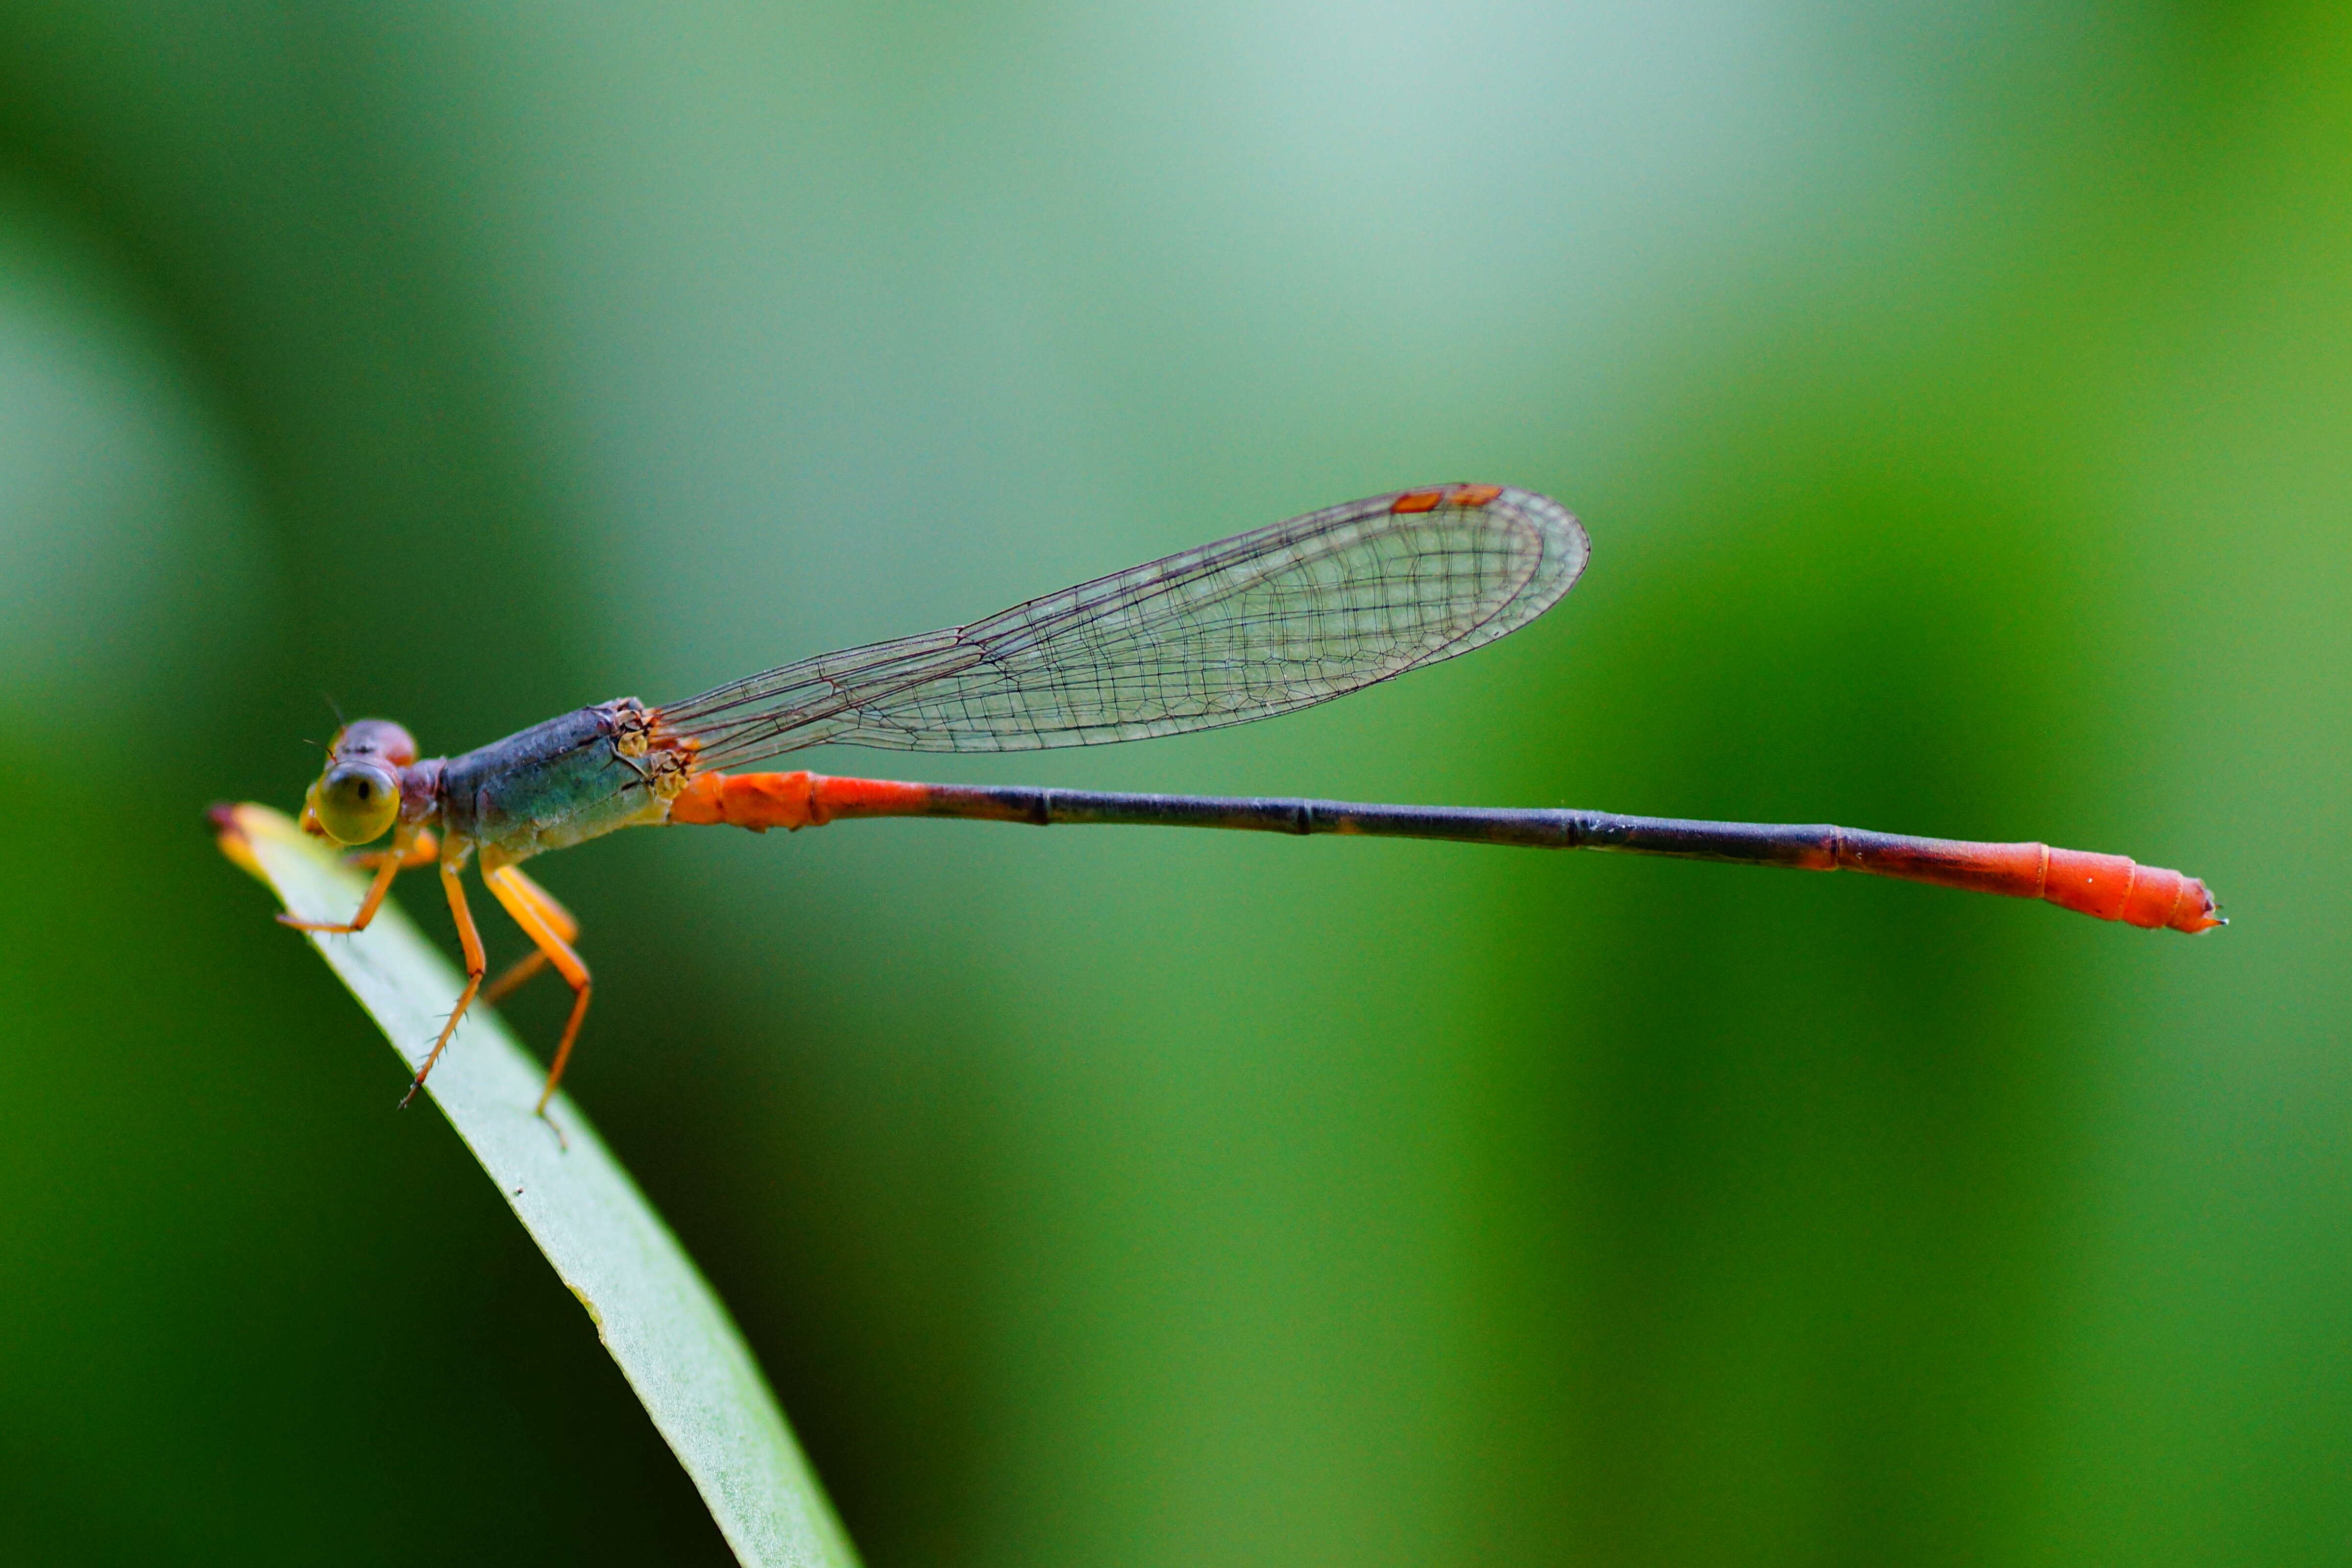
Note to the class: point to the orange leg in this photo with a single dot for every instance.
(476, 965)
(543, 921)
(387, 868)
(521, 969)
(423, 851)
(530, 964)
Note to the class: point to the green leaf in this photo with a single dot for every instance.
(652, 1307)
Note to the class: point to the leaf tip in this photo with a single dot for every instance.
(229, 832)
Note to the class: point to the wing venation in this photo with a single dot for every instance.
(1264, 623)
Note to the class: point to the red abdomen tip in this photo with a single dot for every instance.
(2114, 887)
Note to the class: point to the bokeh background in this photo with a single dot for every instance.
(1959, 398)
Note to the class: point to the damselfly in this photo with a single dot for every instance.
(1261, 623)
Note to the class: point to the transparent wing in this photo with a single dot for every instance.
(1264, 623)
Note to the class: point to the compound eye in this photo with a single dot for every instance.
(356, 802)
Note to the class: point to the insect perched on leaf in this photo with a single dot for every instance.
(1262, 624)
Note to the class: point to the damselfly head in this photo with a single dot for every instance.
(375, 740)
(357, 798)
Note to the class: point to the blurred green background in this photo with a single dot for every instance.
(1960, 400)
